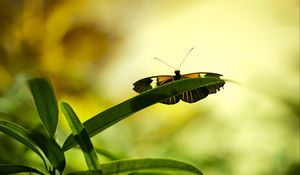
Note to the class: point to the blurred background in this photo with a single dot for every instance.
(93, 51)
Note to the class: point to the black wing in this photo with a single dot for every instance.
(195, 95)
(151, 82)
(191, 96)
(154, 81)
(171, 100)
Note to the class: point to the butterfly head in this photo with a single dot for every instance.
(177, 75)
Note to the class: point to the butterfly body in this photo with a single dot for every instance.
(190, 96)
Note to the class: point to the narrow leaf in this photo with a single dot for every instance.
(119, 112)
(12, 169)
(46, 103)
(81, 136)
(22, 135)
(107, 154)
(145, 164)
(50, 148)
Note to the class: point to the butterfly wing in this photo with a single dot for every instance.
(171, 100)
(191, 96)
(142, 85)
(167, 79)
(195, 95)
(154, 81)
(202, 75)
(151, 82)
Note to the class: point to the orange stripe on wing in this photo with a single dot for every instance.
(164, 79)
(201, 74)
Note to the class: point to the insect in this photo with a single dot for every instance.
(190, 96)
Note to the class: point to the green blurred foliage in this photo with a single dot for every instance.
(51, 38)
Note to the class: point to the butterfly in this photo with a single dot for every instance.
(190, 96)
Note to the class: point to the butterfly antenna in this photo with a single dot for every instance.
(185, 58)
(165, 63)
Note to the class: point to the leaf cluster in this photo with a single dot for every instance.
(42, 140)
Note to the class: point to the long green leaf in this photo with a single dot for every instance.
(22, 135)
(50, 148)
(13, 169)
(145, 164)
(117, 113)
(108, 154)
(81, 136)
(46, 103)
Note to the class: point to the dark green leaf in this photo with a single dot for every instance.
(12, 169)
(107, 154)
(117, 113)
(81, 136)
(22, 135)
(145, 164)
(50, 148)
(46, 103)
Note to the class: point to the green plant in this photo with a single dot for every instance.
(42, 140)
